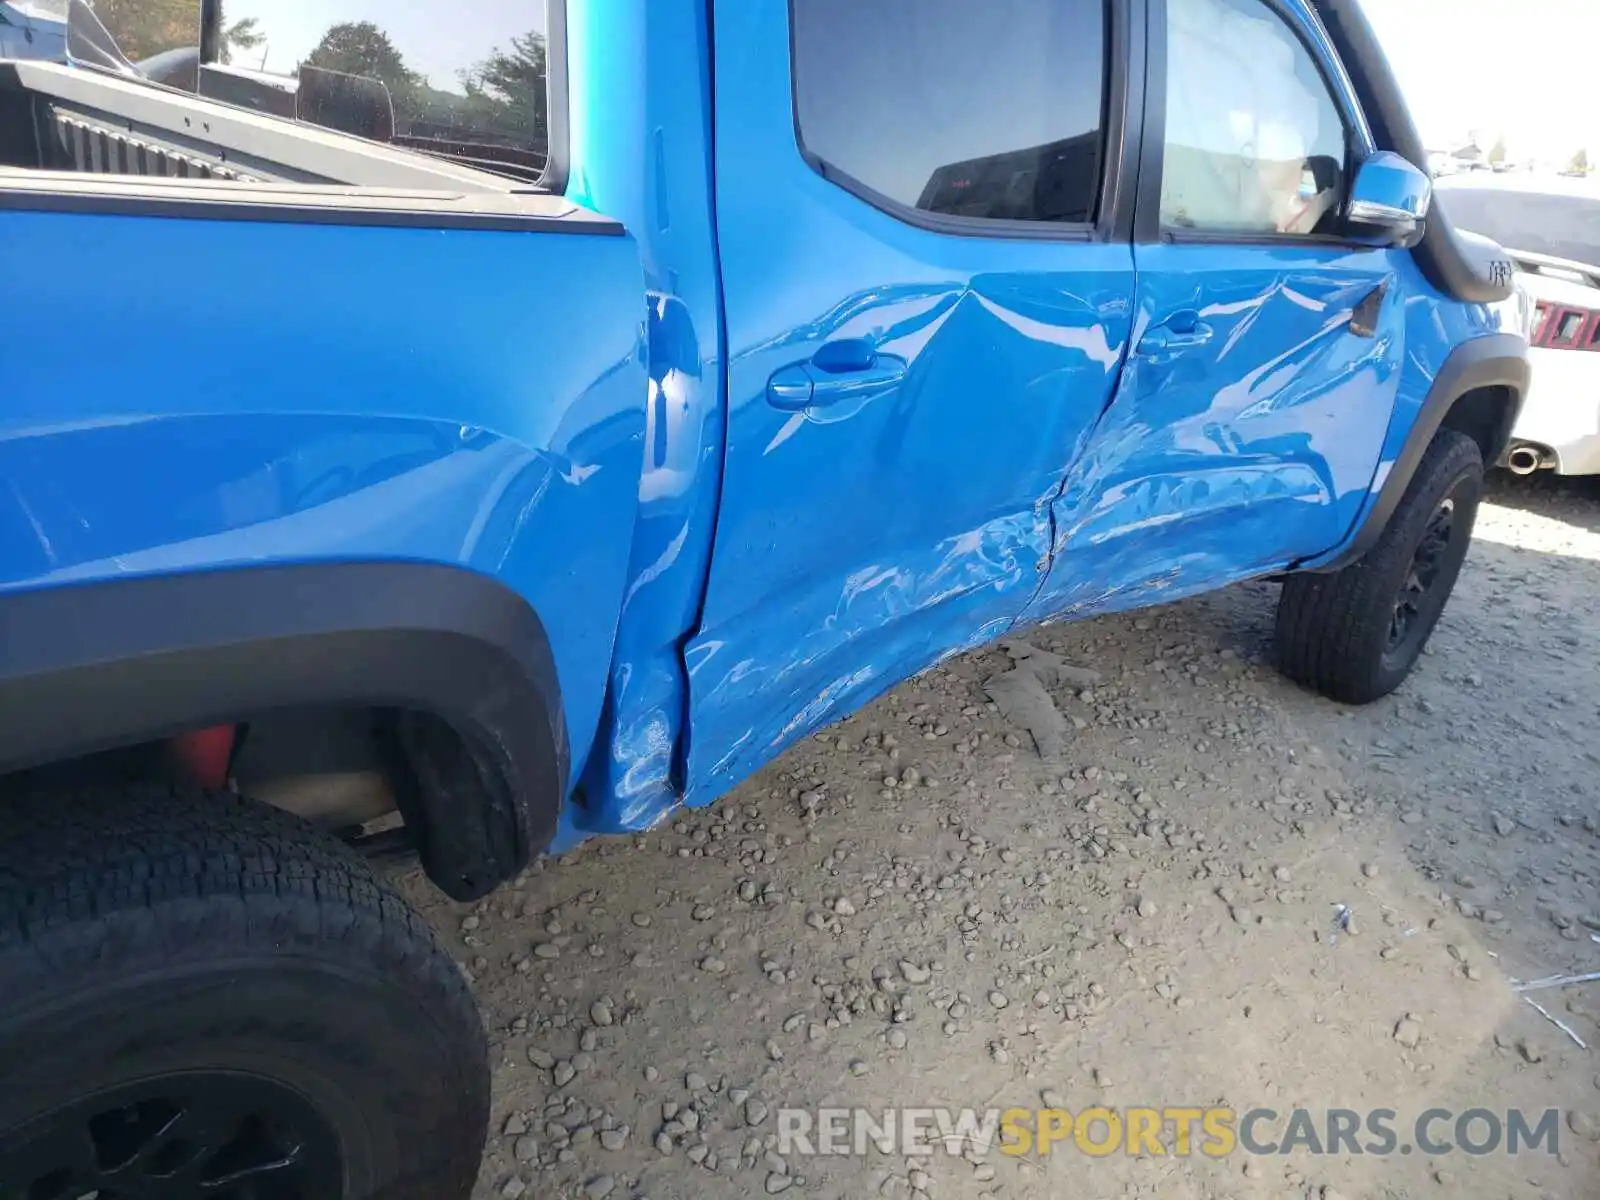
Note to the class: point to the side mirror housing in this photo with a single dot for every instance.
(1390, 196)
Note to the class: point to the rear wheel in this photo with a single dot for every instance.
(204, 997)
(1355, 634)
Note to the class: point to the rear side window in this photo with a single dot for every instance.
(464, 82)
(985, 109)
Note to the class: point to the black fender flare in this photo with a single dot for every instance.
(93, 666)
(1494, 361)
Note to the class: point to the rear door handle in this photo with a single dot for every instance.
(1172, 338)
(847, 370)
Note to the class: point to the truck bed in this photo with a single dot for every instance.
(78, 119)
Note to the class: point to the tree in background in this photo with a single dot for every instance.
(361, 48)
(243, 36)
(1580, 162)
(143, 28)
(1497, 152)
(506, 91)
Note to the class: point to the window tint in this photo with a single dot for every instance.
(464, 81)
(973, 108)
(1255, 143)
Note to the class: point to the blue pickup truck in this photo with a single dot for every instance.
(473, 457)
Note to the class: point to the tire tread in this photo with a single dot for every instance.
(1331, 626)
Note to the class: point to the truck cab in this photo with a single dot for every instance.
(477, 444)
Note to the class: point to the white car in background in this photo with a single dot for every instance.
(1551, 227)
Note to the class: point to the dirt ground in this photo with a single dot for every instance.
(915, 909)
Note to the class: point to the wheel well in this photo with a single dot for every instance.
(456, 665)
(1484, 414)
(359, 771)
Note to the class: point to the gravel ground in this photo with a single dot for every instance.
(915, 909)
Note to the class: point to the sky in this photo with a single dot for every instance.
(1520, 68)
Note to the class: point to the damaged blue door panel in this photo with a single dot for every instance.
(1245, 431)
(903, 403)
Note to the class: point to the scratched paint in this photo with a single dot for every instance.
(1235, 456)
(845, 644)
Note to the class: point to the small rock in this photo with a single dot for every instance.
(1370, 870)
(1052, 1098)
(652, 1075)
(1503, 825)
(547, 950)
(1584, 1125)
(600, 1013)
(844, 907)
(913, 973)
(525, 1149)
(663, 1143)
(599, 1187)
(515, 1126)
(998, 999)
(695, 1081)
(777, 1182)
(1101, 1078)
(565, 1073)
(858, 1067)
(755, 1112)
(712, 965)
(1408, 1033)
(513, 1188)
(541, 1058)
(614, 1139)
(897, 1039)
(642, 920)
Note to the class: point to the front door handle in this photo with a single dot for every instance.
(1174, 336)
(845, 370)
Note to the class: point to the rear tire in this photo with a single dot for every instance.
(202, 996)
(1355, 634)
